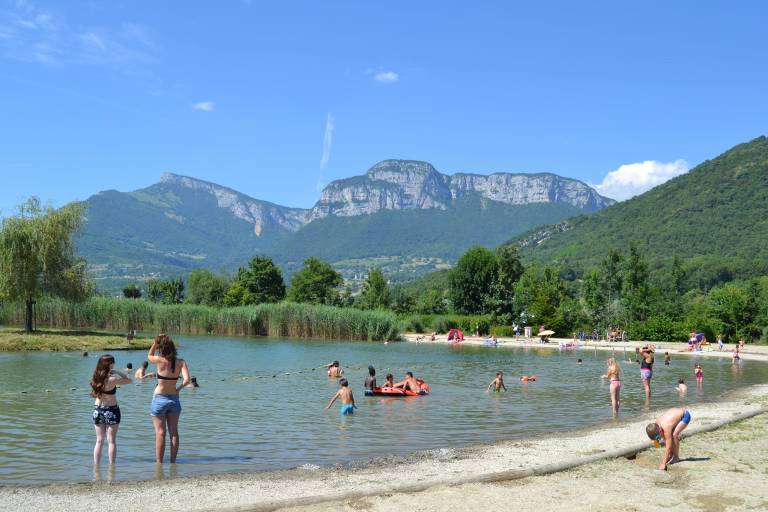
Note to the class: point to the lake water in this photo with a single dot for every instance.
(261, 407)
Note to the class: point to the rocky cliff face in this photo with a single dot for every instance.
(399, 185)
(254, 211)
(404, 184)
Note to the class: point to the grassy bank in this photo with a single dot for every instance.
(67, 341)
(282, 319)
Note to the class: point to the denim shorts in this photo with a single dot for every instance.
(164, 405)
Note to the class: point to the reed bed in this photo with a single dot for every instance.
(281, 319)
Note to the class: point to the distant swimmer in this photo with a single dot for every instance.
(498, 383)
(334, 370)
(528, 378)
(345, 395)
(666, 430)
(681, 388)
(142, 373)
(390, 383)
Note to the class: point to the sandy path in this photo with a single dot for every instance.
(725, 470)
(421, 471)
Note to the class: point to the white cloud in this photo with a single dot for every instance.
(630, 180)
(386, 77)
(205, 106)
(327, 144)
(32, 34)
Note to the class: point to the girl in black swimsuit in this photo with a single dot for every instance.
(106, 412)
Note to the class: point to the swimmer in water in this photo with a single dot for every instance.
(142, 373)
(667, 359)
(698, 373)
(681, 387)
(498, 383)
(390, 383)
(334, 370)
(345, 395)
(666, 431)
(613, 374)
(370, 380)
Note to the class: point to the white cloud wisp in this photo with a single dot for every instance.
(630, 180)
(327, 145)
(204, 106)
(386, 77)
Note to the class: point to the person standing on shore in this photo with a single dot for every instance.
(106, 412)
(166, 407)
(646, 371)
(613, 374)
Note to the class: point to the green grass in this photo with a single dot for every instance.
(282, 319)
(67, 341)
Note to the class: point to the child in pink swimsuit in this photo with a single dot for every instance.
(698, 372)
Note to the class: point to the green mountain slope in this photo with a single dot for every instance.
(715, 218)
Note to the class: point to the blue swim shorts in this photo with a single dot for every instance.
(686, 417)
(646, 374)
(347, 409)
(164, 405)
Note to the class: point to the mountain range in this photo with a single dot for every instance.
(401, 215)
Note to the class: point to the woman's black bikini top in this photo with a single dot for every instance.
(173, 369)
(110, 392)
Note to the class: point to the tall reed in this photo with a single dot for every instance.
(281, 319)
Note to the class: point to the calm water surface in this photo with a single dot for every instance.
(260, 406)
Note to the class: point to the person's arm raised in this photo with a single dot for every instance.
(120, 378)
(151, 353)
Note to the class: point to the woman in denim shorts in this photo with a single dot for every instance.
(166, 407)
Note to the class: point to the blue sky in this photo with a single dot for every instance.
(276, 98)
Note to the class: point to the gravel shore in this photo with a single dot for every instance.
(382, 483)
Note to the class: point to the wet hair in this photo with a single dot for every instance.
(145, 364)
(409, 374)
(129, 366)
(336, 364)
(101, 374)
(680, 381)
(499, 374)
(578, 360)
(344, 383)
(85, 354)
(166, 347)
(389, 376)
(193, 380)
(371, 371)
(652, 430)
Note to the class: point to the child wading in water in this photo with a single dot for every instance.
(498, 383)
(666, 431)
(334, 370)
(681, 387)
(345, 395)
(613, 374)
(699, 373)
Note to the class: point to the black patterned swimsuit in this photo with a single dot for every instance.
(106, 414)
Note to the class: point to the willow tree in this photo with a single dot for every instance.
(37, 255)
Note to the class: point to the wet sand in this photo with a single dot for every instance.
(476, 477)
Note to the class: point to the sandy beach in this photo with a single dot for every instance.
(488, 474)
(750, 353)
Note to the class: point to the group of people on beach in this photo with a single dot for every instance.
(165, 408)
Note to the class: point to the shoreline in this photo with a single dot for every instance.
(751, 352)
(505, 460)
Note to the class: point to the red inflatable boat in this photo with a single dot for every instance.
(386, 391)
